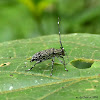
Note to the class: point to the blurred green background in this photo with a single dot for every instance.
(20, 19)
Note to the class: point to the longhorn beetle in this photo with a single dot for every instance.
(50, 54)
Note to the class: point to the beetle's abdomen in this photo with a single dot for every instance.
(46, 54)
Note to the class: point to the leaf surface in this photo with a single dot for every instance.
(76, 84)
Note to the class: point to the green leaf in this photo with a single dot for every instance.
(76, 84)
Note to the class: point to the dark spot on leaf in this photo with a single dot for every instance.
(5, 64)
(10, 57)
(82, 63)
(11, 74)
(95, 86)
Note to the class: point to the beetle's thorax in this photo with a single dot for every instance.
(59, 52)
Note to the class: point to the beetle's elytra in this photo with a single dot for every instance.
(50, 54)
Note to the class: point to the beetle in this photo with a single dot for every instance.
(50, 54)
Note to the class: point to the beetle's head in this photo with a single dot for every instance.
(63, 51)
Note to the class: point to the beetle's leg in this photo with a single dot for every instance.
(63, 62)
(59, 59)
(52, 66)
(33, 66)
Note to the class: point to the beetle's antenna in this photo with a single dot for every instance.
(60, 39)
(59, 33)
